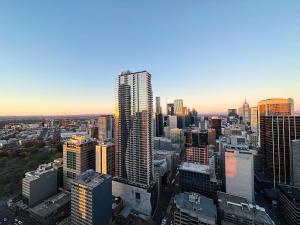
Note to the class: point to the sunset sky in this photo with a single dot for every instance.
(62, 57)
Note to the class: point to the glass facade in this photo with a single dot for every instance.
(133, 127)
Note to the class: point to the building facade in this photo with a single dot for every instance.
(276, 134)
(105, 158)
(133, 127)
(78, 156)
(91, 199)
(106, 128)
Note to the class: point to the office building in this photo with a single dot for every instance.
(216, 123)
(211, 136)
(232, 113)
(172, 122)
(170, 109)
(106, 128)
(239, 173)
(295, 159)
(199, 178)
(52, 210)
(244, 112)
(178, 105)
(197, 154)
(91, 199)
(162, 143)
(159, 122)
(158, 109)
(133, 123)
(276, 134)
(192, 208)
(254, 119)
(289, 203)
(105, 158)
(79, 156)
(40, 184)
(235, 210)
(276, 107)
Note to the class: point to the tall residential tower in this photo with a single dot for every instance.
(133, 127)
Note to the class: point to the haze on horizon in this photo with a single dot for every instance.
(62, 58)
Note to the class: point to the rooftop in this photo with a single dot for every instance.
(196, 205)
(91, 179)
(40, 171)
(239, 206)
(195, 167)
(79, 139)
(52, 204)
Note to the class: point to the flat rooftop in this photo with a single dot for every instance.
(40, 171)
(51, 205)
(195, 167)
(91, 179)
(196, 205)
(239, 206)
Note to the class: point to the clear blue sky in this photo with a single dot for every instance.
(62, 57)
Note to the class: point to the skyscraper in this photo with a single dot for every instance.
(244, 112)
(133, 127)
(276, 107)
(78, 156)
(105, 158)
(106, 127)
(254, 119)
(170, 109)
(295, 159)
(178, 106)
(159, 128)
(276, 134)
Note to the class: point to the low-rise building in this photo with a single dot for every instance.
(52, 210)
(191, 208)
(235, 210)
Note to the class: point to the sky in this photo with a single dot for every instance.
(62, 57)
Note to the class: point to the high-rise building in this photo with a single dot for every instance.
(276, 107)
(232, 113)
(91, 199)
(133, 127)
(244, 112)
(254, 119)
(192, 208)
(105, 158)
(106, 128)
(170, 109)
(197, 154)
(172, 120)
(211, 136)
(276, 134)
(216, 123)
(178, 106)
(159, 122)
(295, 159)
(237, 210)
(239, 173)
(158, 109)
(199, 178)
(78, 156)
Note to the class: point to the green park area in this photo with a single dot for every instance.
(13, 166)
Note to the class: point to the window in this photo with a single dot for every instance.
(71, 160)
(137, 196)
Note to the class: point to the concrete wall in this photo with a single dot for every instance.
(128, 194)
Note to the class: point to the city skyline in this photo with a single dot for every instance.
(57, 61)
